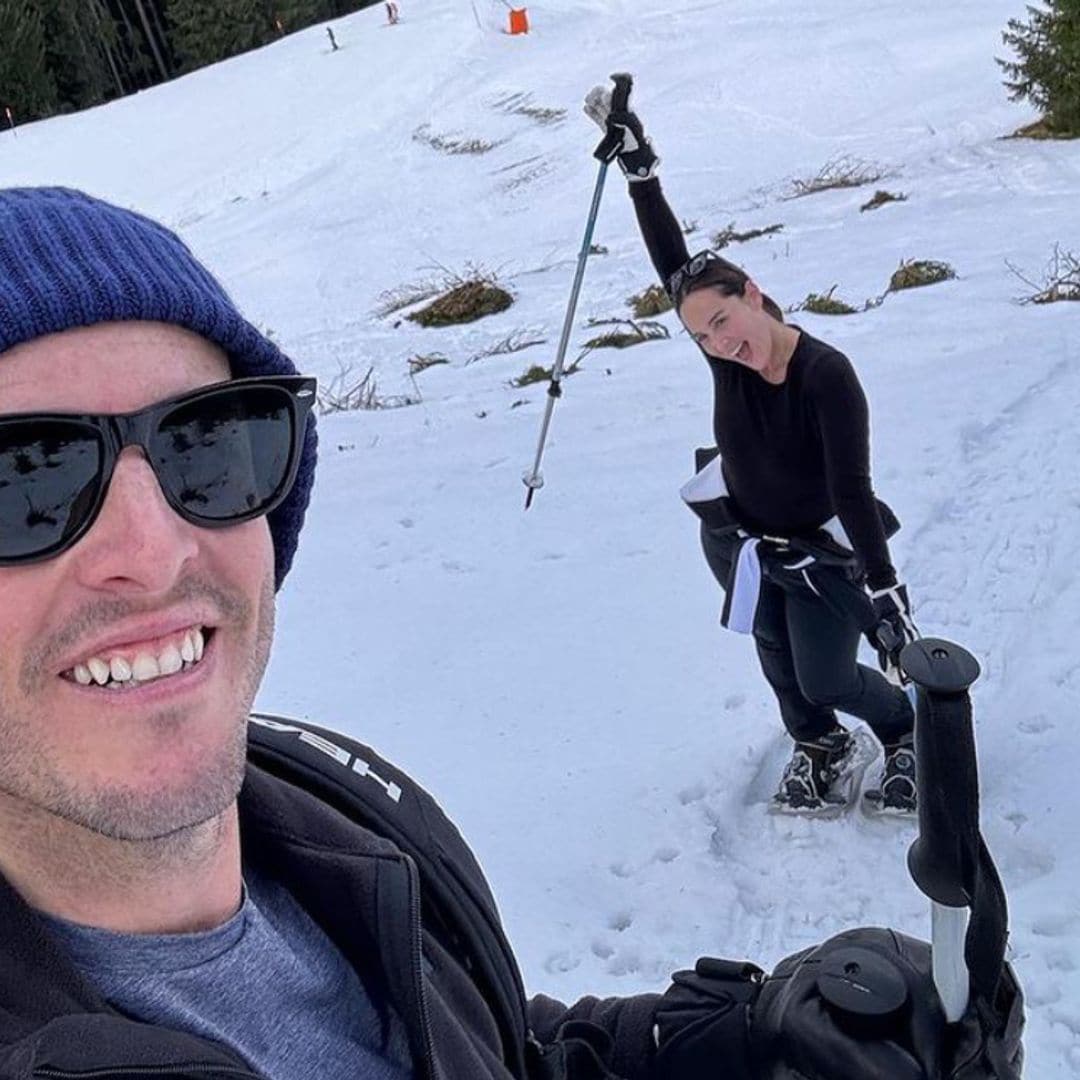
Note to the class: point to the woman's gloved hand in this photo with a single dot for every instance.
(624, 137)
(893, 625)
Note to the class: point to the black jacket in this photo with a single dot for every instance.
(796, 453)
(366, 895)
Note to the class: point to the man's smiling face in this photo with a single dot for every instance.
(187, 611)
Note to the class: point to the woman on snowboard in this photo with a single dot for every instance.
(790, 525)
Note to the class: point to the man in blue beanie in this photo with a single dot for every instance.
(186, 891)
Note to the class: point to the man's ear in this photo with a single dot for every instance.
(753, 294)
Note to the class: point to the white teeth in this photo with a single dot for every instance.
(169, 661)
(120, 669)
(99, 670)
(145, 668)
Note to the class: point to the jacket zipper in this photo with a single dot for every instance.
(416, 948)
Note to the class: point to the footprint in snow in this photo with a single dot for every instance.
(692, 794)
(626, 962)
(559, 963)
(1057, 925)
(452, 566)
(1035, 725)
(1060, 960)
(1020, 862)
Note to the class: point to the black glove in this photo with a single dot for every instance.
(702, 1022)
(729, 1019)
(893, 626)
(581, 1049)
(624, 137)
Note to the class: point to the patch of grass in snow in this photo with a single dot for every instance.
(347, 393)
(1060, 279)
(452, 142)
(636, 334)
(731, 235)
(918, 272)
(463, 298)
(537, 373)
(650, 302)
(512, 343)
(880, 198)
(826, 304)
(840, 172)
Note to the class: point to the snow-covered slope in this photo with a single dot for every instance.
(558, 678)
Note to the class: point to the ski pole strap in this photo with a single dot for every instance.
(950, 861)
(743, 588)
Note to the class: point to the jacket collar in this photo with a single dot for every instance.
(282, 828)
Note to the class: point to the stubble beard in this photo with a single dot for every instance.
(154, 823)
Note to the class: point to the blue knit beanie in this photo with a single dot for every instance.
(69, 260)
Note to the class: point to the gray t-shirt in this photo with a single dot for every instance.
(268, 983)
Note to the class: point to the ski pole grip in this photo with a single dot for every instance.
(608, 148)
(946, 769)
(620, 96)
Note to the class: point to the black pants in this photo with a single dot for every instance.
(807, 643)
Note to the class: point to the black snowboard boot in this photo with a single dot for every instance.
(896, 791)
(810, 778)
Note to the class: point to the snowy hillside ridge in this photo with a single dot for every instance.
(558, 678)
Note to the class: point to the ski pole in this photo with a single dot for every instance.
(942, 858)
(605, 153)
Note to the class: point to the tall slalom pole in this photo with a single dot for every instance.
(606, 152)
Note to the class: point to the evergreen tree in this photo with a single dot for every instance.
(296, 14)
(108, 35)
(27, 87)
(347, 7)
(76, 54)
(1047, 71)
(135, 55)
(204, 31)
(145, 9)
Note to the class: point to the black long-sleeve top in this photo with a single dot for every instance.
(794, 454)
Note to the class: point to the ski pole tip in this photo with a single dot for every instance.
(532, 481)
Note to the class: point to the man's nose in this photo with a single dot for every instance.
(138, 541)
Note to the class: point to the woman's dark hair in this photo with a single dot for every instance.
(727, 278)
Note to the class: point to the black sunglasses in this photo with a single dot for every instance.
(692, 268)
(222, 454)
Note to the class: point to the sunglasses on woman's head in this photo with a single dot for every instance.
(693, 267)
(223, 454)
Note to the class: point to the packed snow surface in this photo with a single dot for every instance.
(558, 677)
